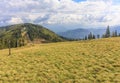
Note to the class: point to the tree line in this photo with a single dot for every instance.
(107, 34)
(15, 39)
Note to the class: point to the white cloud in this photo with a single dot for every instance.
(91, 13)
(15, 20)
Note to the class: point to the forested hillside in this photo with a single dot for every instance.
(21, 34)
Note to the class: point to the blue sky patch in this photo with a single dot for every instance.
(79, 0)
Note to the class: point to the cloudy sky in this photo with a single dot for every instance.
(75, 13)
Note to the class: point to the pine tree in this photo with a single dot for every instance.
(116, 33)
(90, 36)
(119, 34)
(107, 34)
(86, 38)
(98, 36)
(93, 37)
(113, 34)
(9, 46)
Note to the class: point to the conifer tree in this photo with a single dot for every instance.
(86, 38)
(93, 37)
(90, 36)
(116, 33)
(98, 36)
(107, 34)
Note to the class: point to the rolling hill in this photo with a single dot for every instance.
(94, 61)
(21, 34)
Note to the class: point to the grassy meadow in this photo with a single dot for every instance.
(94, 61)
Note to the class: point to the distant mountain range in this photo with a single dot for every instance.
(81, 33)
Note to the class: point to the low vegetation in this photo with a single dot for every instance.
(93, 61)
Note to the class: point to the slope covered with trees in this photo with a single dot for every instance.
(21, 34)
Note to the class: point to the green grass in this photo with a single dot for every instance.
(95, 61)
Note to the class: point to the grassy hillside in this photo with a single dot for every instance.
(95, 61)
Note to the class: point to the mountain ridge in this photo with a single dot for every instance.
(80, 33)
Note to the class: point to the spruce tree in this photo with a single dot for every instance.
(113, 34)
(9, 46)
(93, 37)
(86, 38)
(98, 36)
(107, 34)
(116, 33)
(90, 36)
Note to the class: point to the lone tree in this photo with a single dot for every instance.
(107, 34)
(9, 46)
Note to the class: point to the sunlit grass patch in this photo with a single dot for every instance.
(95, 61)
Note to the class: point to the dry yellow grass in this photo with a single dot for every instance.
(95, 61)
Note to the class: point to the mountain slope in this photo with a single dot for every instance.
(22, 34)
